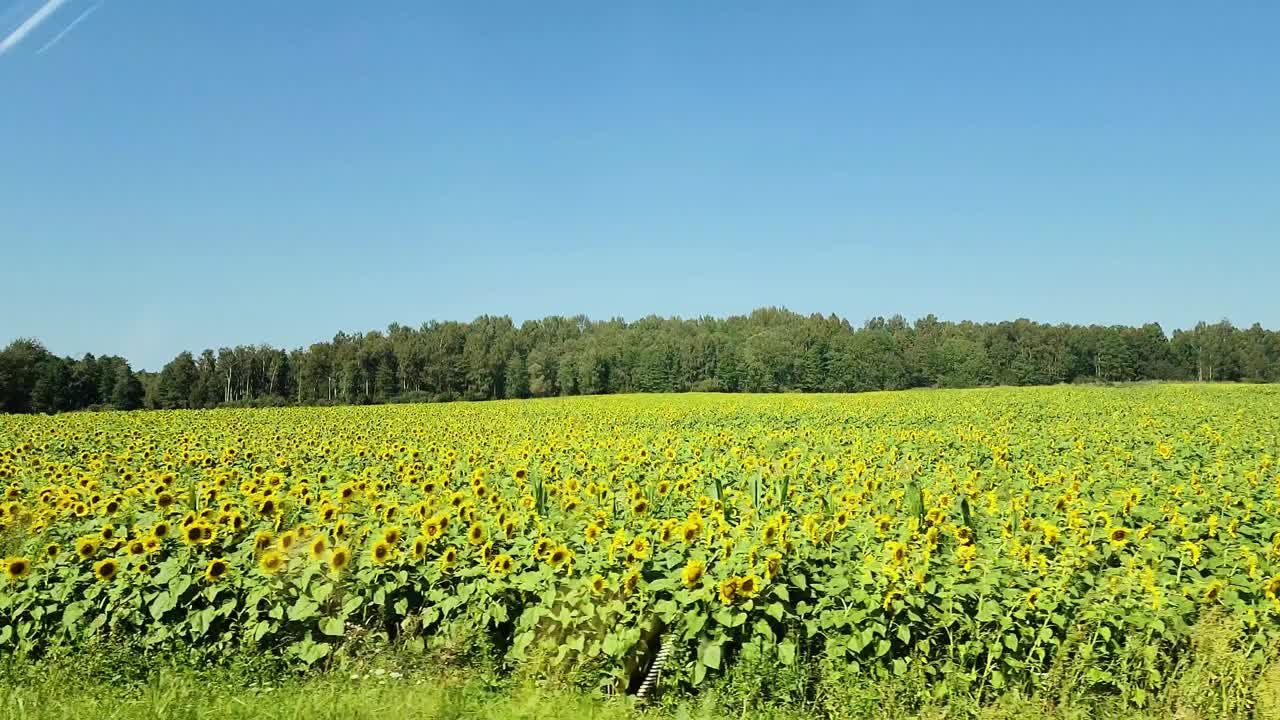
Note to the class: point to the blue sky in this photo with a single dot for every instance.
(177, 175)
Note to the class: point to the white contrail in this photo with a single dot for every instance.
(68, 28)
(32, 23)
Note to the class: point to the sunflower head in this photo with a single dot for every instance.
(105, 570)
(216, 570)
(693, 572)
(1118, 536)
(86, 547)
(339, 559)
(729, 590)
(193, 534)
(16, 568)
(598, 585)
(271, 562)
(476, 534)
(449, 556)
(161, 530)
(501, 565)
(380, 552)
(316, 549)
(1213, 590)
(748, 586)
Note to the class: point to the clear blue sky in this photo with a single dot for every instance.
(177, 175)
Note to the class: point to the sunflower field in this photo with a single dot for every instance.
(991, 536)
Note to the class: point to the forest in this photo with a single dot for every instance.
(769, 350)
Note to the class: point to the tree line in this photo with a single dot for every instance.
(770, 350)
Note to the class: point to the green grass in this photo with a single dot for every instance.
(110, 680)
(41, 692)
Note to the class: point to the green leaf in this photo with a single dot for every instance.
(162, 604)
(694, 622)
(333, 626)
(787, 652)
(709, 655)
(304, 609)
(309, 652)
(904, 633)
(775, 610)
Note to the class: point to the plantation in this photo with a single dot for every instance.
(978, 542)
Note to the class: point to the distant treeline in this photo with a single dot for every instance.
(770, 350)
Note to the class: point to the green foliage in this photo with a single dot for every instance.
(770, 350)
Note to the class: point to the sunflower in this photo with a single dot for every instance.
(287, 540)
(217, 570)
(1033, 596)
(339, 559)
(1213, 590)
(591, 534)
(52, 551)
(86, 547)
(449, 556)
(560, 556)
(728, 590)
(420, 545)
(391, 535)
(1118, 536)
(842, 520)
(270, 562)
(431, 531)
(693, 572)
(137, 547)
(1191, 553)
(105, 570)
(630, 581)
(639, 548)
(501, 565)
(897, 552)
(748, 586)
(164, 501)
(380, 552)
(316, 549)
(1271, 588)
(161, 530)
(107, 532)
(772, 565)
(16, 568)
(262, 540)
(193, 534)
(691, 531)
(476, 534)
(770, 534)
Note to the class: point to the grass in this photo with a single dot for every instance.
(39, 691)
